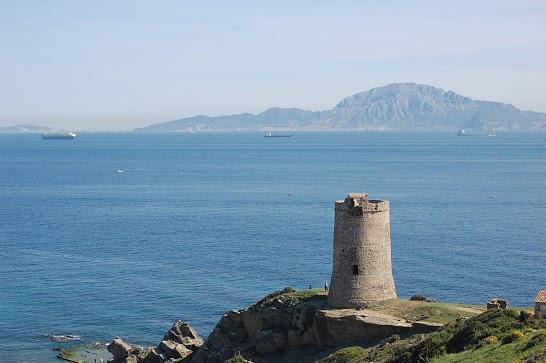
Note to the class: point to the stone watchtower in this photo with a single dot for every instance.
(362, 270)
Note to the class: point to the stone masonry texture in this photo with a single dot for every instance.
(362, 270)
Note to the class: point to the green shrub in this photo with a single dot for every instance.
(418, 297)
(535, 340)
(237, 358)
(539, 357)
(512, 337)
(492, 339)
(470, 333)
(344, 355)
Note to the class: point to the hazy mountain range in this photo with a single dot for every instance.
(397, 106)
(24, 128)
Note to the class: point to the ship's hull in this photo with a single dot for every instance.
(58, 136)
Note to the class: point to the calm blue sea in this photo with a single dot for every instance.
(199, 224)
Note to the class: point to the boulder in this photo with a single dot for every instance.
(153, 357)
(172, 349)
(120, 349)
(182, 333)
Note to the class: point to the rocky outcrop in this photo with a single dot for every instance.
(337, 327)
(286, 322)
(120, 349)
(285, 326)
(178, 343)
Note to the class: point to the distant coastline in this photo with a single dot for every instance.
(394, 107)
(407, 107)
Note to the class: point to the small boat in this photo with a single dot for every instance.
(463, 132)
(58, 135)
(271, 134)
(119, 171)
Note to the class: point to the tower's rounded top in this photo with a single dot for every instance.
(358, 203)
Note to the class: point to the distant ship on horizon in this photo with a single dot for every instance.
(58, 135)
(463, 132)
(277, 134)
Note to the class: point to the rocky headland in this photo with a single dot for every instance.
(298, 326)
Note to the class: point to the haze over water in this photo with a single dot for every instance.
(197, 225)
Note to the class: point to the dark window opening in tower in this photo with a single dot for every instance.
(354, 268)
(356, 211)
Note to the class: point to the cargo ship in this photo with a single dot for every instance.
(58, 135)
(279, 134)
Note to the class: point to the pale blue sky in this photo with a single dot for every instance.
(122, 64)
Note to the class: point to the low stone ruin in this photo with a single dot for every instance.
(497, 304)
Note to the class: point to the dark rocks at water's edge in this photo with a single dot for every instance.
(177, 345)
(286, 326)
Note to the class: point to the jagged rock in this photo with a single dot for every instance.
(335, 327)
(270, 342)
(153, 357)
(173, 350)
(231, 319)
(278, 325)
(230, 328)
(252, 321)
(303, 316)
(120, 349)
(182, 333)
(276, 318)
(179, 342)
(300, 339)
(228, 337)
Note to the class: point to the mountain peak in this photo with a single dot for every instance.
(395, 106)
(406, 90)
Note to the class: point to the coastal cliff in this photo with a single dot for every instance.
(294, 326)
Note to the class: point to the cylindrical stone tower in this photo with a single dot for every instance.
(362, 270)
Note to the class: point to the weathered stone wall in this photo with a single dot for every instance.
(540, 310)
(362, 270)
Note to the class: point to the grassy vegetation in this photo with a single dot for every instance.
(300, 296)
(494, 336)
(517, 351)
(292, 297)
(426, 310)
(238, 358)
(345, 355)
(469, 334)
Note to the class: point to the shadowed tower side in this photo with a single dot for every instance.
(362, 270)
